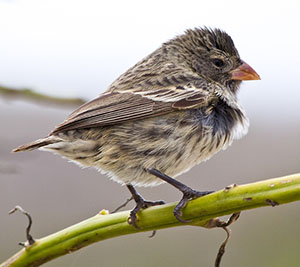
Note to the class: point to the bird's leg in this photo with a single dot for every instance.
(188, 193)
(140, 204)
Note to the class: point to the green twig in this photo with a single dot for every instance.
(200, 211)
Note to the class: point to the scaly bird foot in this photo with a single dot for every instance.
(141, 203)
(188, 193)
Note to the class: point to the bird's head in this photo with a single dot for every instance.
(212, 55)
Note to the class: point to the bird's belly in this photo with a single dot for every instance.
(171, 143)
(176, 153)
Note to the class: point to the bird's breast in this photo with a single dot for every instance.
(207, 130)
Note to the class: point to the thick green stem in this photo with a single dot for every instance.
(199, 211)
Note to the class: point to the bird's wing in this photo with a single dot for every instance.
(117, 107)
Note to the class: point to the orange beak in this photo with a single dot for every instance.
(244, 73)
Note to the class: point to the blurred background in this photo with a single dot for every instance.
(76, 49)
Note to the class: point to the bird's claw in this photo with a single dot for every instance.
(188, 194)
(141, 204)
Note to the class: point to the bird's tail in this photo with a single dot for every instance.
(37, 144)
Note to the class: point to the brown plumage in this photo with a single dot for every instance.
(172, 110)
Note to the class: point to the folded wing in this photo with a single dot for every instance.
(117, 107)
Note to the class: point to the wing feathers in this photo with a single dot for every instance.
(116, 107)
(103, 111)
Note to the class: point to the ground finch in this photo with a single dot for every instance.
(172, 110)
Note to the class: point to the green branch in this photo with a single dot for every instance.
(200, 211)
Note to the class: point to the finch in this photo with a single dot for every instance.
(172, 110)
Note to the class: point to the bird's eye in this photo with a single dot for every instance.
(219, 63)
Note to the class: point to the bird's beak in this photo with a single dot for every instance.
(244, 73)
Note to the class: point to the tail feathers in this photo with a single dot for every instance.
(37, 144)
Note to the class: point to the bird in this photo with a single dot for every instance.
(172, 110)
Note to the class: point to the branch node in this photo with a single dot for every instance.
(103, 212)
(229, 187)
(273, 203)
